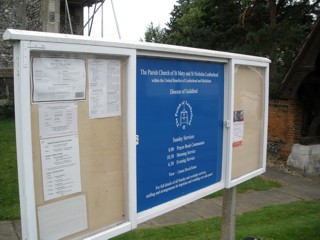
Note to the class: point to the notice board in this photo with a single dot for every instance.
(180, 107)
(111, 134)
(249, 121)
(77, 143)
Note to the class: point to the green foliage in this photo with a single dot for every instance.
(272, 29)
(295, 221)
(154, 34)
(9, 194)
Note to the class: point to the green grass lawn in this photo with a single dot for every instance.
(295, 221)
(9, 193)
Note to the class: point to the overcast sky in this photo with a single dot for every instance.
(133, 17)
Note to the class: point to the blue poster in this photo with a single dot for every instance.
(180, 127)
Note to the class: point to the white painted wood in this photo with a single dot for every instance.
(26, 41)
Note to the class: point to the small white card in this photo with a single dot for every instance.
(58, 119)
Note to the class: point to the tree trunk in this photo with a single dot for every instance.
(272, 12)
(273, 22)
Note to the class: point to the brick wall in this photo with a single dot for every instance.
(285, 121)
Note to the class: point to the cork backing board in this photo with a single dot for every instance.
(248, 98)
(101, 144)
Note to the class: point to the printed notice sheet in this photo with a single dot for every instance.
(238, 126)
(60, 219)
(104, 88)
(60, 166)
(58, 79)
(58, 119)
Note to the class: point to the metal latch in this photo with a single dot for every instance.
(227, 124)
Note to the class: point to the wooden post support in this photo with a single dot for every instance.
(228, 222)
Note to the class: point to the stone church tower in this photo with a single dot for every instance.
(35, 15)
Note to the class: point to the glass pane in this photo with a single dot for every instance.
(248, 119)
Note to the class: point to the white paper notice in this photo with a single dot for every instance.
(58, 79)
(58, 119)
(63, 218)
(104, 88)
(238, 127)
(60, 166)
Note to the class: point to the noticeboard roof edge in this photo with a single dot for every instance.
(23, 35)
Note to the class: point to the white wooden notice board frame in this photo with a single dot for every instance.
(249, 93)
(37, 44)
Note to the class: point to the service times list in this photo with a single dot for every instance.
(185, 152)
(182, 160)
